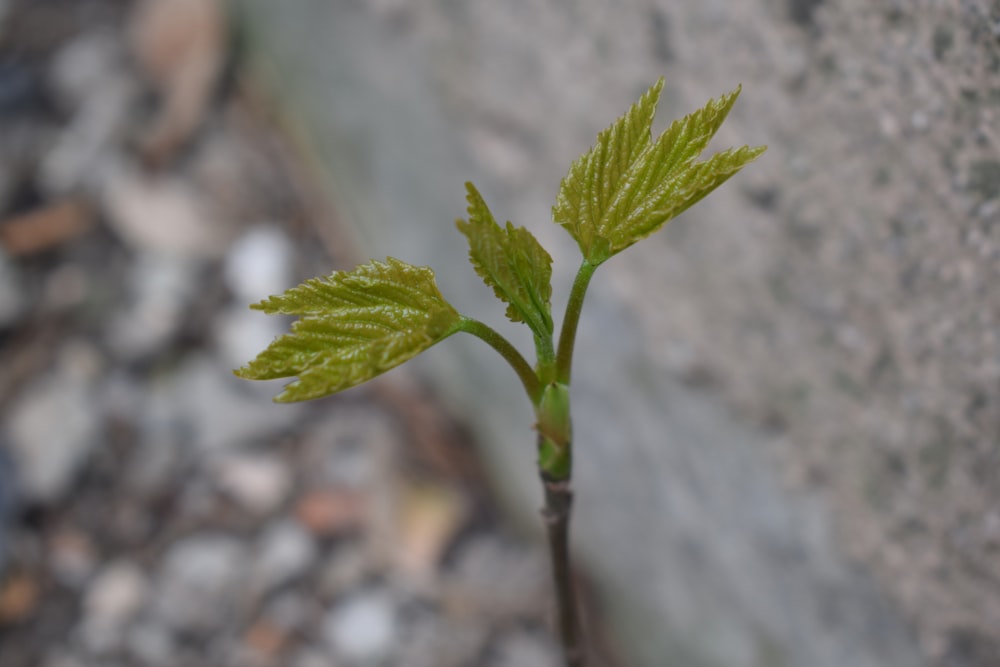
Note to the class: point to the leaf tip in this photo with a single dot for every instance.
(755, 152)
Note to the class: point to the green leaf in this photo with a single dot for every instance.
(628, 186)
(512, 262)
(353, 326)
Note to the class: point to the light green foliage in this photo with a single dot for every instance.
(627, 186)
(353, 326)
(512, 262)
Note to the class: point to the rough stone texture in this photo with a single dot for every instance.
(838, 296)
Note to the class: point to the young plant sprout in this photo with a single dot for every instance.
(354, 325)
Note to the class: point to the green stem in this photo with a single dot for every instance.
(567, 336)
(543, 345)
(508, 352)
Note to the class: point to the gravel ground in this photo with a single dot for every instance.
(155, 510)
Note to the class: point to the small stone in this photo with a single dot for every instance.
(200, 575)
(67, 287)
(83, 65)
(266, 638)
(163, 215)
(80, 154)
(259, 264)
(284, 552)
(72, 557)
(521, 649)
(117, 593)
(54, 425)
(329, 512)
(223, 411)
(152, 469)
(161, 289)
(151, 643)
(258, 483)
(19, 598)
(345, 569)
(290, 610)
(363, 628)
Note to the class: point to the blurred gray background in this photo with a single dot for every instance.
(787, 403)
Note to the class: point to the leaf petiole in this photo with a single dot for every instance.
(495, 340)
(567, 335)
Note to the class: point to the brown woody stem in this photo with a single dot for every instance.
(556, 513)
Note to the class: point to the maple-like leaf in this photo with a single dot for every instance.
(628, 186)
(353, 326)
(511, 261)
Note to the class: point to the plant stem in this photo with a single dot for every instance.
(567, 336)
(556, 513)
(508, 352)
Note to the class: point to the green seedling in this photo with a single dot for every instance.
(355, 325)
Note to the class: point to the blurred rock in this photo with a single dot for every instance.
(343, 570)
(161, 289)
(80, 69)
(265, 639)
(151, 642)
(181, 46)
(12, 302)
(115, 594)
(363, 628)
(435, 641)
(498, 579)
(220, 410)
(258, 482)
(54, 424)
(290, 611)
(67, 286)
(154, 467)
(201, 580)
(259, 264)
(164, 215)
(429, 515)
(330, 512)
(520, 649)
(99, 93)
(19, 597)
(72, 557)
(283, 552)
(244, 178)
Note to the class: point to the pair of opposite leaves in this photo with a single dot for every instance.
(354, 325)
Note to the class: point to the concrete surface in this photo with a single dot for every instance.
(787, 403)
